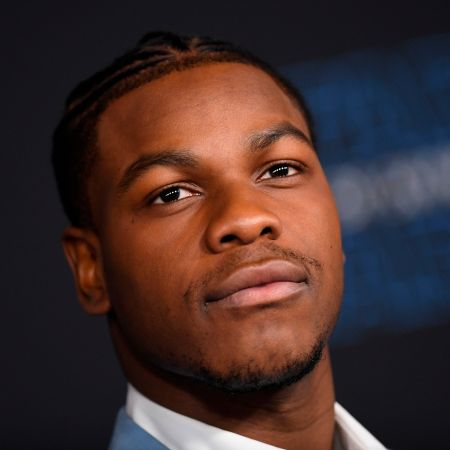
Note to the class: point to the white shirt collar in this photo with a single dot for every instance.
(192, 434)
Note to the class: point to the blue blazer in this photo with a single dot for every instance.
(127, 435)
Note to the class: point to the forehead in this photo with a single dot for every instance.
(206, 100)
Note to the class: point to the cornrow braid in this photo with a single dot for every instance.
(155, 55)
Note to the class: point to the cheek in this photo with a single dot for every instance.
(328, 243)
(314, 229)
(134, 275)
(313, 218)
(147, 271)
(141, 297)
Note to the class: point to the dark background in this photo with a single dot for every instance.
(61, 383)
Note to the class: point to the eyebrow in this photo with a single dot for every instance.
(262, 140)
(177, 158)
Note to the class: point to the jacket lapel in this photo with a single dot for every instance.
(127, 435)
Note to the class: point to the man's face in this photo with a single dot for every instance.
(220, 239)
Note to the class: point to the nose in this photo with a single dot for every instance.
(240, 218)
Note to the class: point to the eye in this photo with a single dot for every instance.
(281, 170)
(173, 194)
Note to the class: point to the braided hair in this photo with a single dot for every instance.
(155, 55)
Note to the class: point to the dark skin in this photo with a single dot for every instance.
(204, 174)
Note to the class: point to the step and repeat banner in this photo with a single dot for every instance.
(382, 118)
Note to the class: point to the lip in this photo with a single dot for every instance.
(268, 282)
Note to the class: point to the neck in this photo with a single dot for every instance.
(299, 416)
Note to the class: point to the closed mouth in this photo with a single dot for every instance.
(265, 282)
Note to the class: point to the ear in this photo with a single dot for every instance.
(82, 249)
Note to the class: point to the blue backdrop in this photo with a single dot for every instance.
(383, 125)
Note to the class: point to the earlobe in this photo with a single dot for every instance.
(83, 253)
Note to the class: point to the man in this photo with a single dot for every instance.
(203, 227)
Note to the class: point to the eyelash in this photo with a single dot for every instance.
(156, 198)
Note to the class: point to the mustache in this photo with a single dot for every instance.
(247, 256)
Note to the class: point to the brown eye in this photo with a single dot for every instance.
(173, 194)
(280, 170)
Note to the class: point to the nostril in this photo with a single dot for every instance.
(227, 238)
(266, 230)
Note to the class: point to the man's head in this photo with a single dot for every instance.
(156, 54)
(213, 242)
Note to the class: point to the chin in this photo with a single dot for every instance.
(255, 376)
